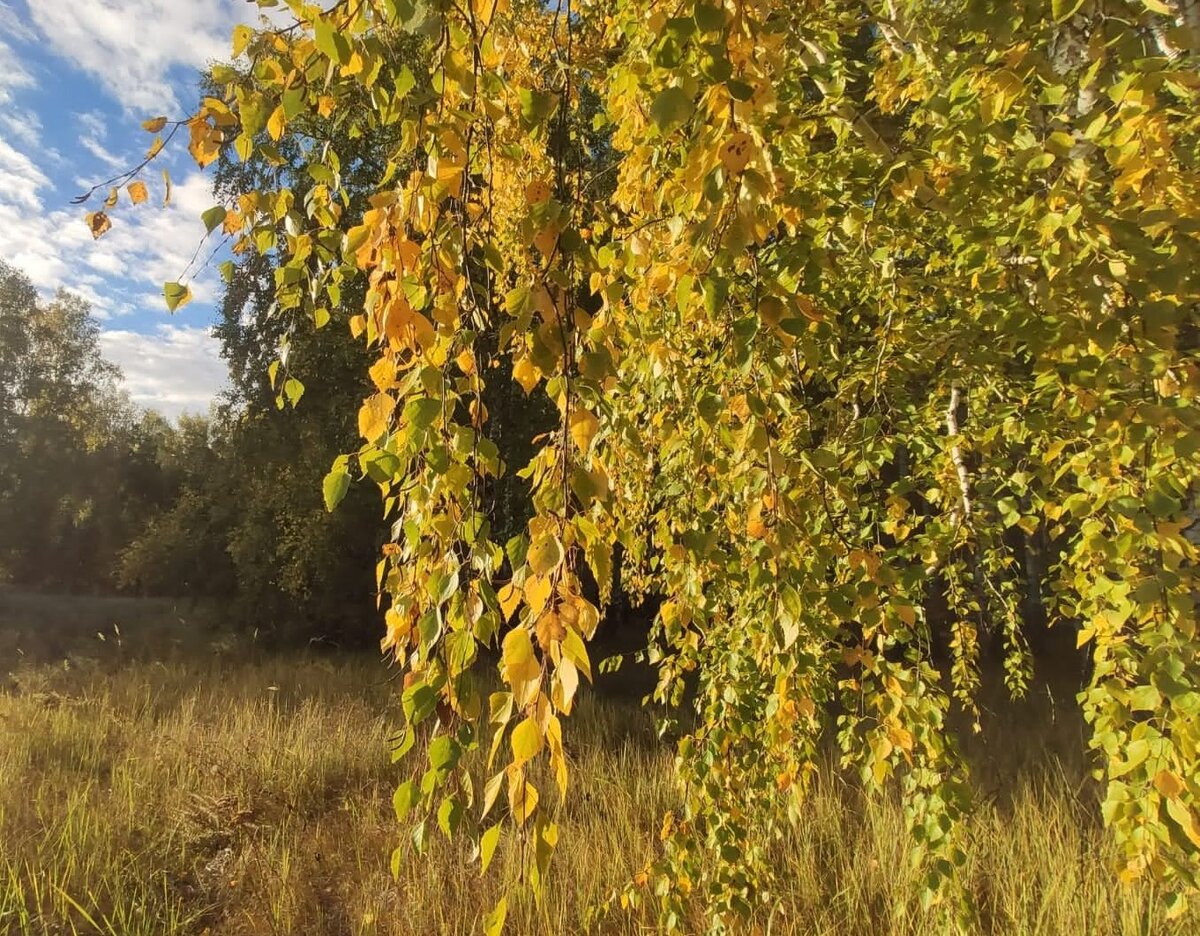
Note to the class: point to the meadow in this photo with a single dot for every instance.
(159, 776)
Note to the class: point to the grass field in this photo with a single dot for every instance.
(166, 780)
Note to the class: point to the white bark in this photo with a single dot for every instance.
(962, 512)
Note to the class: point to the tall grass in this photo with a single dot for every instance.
(226, 791)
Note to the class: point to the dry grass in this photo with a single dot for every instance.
(223, 790)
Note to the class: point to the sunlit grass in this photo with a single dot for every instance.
(231, 791)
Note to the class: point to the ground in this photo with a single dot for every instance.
(158, 777)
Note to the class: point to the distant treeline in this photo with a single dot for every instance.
(97, 496)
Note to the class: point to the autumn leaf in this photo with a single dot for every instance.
(526, 374)
(545, 554)
(519, 667)
(205, 142)
(383, 374)
(536, 193)
(177, 296)
(155, 125)
(138, 192)
(375, 416)
(549, 629)
(736, 152)
(99, 224)
(583, 428)
(526, 741)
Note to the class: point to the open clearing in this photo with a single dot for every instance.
(167, 779)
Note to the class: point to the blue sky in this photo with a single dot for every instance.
(77, 78)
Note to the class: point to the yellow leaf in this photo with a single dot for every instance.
(519, 667)
(205, 143)
(537, 593)
(465, 361)
(574, 650)
(736, 152)
(546, 240)
(383, 374)
(509, 597)
(549, 629)
(276, 123)
(522, 796)
(491, 790)
(770, 310)
(901, 737)
(808, 308)
(566, 682)
(1168, 784)
(545, 555)
(583, 428)
(242, 34)
(99, 224)
(558, 762)
(536, 193)
(1178, 810)
(487, 846)
(493, 923)
(526, 741)
(114, 195)
(755, 528)
(326, 104)
(526, 373)
(155, 125)
(167, 188)
(137, 192)
(375, 415)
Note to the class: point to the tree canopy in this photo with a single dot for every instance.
(858, 322)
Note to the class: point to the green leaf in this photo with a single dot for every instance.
(487, 846)
(242, 34)
(672, 108)
(177, 296)
(405, 798)
(331, 43)
(293, 390)
(493, 923)
(536, 107)
(213, 217)
(739, 90)
(335, 487)
(709, 17)
(405, 82)
(449, 815)
(422, 413)
(442, 752)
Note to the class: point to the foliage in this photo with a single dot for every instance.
(73, 485)
(879, 291)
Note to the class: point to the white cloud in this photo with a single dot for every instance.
(147, 246)
(20, 179)
(131, 46)
(176, 370)
(13, 74)
(20, 124)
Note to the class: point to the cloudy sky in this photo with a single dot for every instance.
(77, 78)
